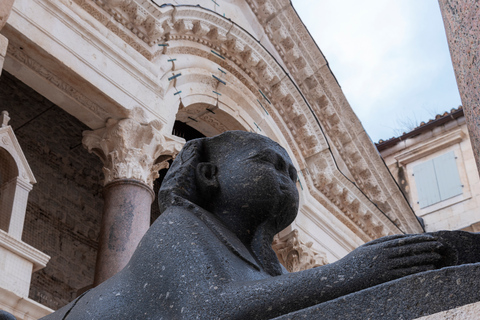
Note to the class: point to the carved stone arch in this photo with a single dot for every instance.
(8, 166)
(209, 119)
(281, 112)
(8, 178)
(197, 86)
(19, 259)
(198, 32)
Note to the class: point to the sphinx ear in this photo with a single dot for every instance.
(207, 176)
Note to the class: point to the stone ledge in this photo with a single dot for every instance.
(20, 248)
(468, 312)
(411, 297)
(22, 308)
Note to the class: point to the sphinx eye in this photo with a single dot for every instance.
(292, 173)
(268, 157)
(280, 164)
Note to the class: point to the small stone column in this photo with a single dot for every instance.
(132, 154)
(5, 9)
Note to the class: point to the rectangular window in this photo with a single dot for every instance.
(437, 180)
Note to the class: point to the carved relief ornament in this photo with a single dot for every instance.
(132, 150)
(297, 255)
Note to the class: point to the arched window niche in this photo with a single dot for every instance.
(16, 181)
(18, 259)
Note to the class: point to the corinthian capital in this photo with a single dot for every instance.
(132, 150)
(297, 255)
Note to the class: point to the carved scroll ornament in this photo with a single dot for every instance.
(132, 150)
(297, 255)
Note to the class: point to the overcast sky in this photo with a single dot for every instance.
(390, 57)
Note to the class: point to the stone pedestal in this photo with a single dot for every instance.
(467, 312)
(132, 152)
(410, 297)
(126, 218)
(22, 308)
(18, 261)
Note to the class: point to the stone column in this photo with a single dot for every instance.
(132, 154)
(5, 9)
(462, 25)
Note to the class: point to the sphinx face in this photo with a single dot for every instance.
(259, 180)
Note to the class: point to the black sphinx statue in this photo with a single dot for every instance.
(209, 255)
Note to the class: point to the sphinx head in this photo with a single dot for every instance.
(237, 176)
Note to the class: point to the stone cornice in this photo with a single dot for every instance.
(20, 248)
(19, 55)
(352, 209)
(21, 307)
(424, 149)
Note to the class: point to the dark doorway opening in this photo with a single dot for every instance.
(182, 130)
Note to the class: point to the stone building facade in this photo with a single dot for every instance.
(64, 207)
(435, 166)
(102, 95)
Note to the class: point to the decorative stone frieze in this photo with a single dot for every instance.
(132, 150)
(297, 255)
(347, 198)
(19, 55)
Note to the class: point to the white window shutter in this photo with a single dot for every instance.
(427, 186)
(448, 179)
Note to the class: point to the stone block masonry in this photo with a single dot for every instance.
(65, 206)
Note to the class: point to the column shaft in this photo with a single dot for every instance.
(126, 218)
(130, 150)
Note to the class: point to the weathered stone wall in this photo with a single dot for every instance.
(462, 25)
(65, 206)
